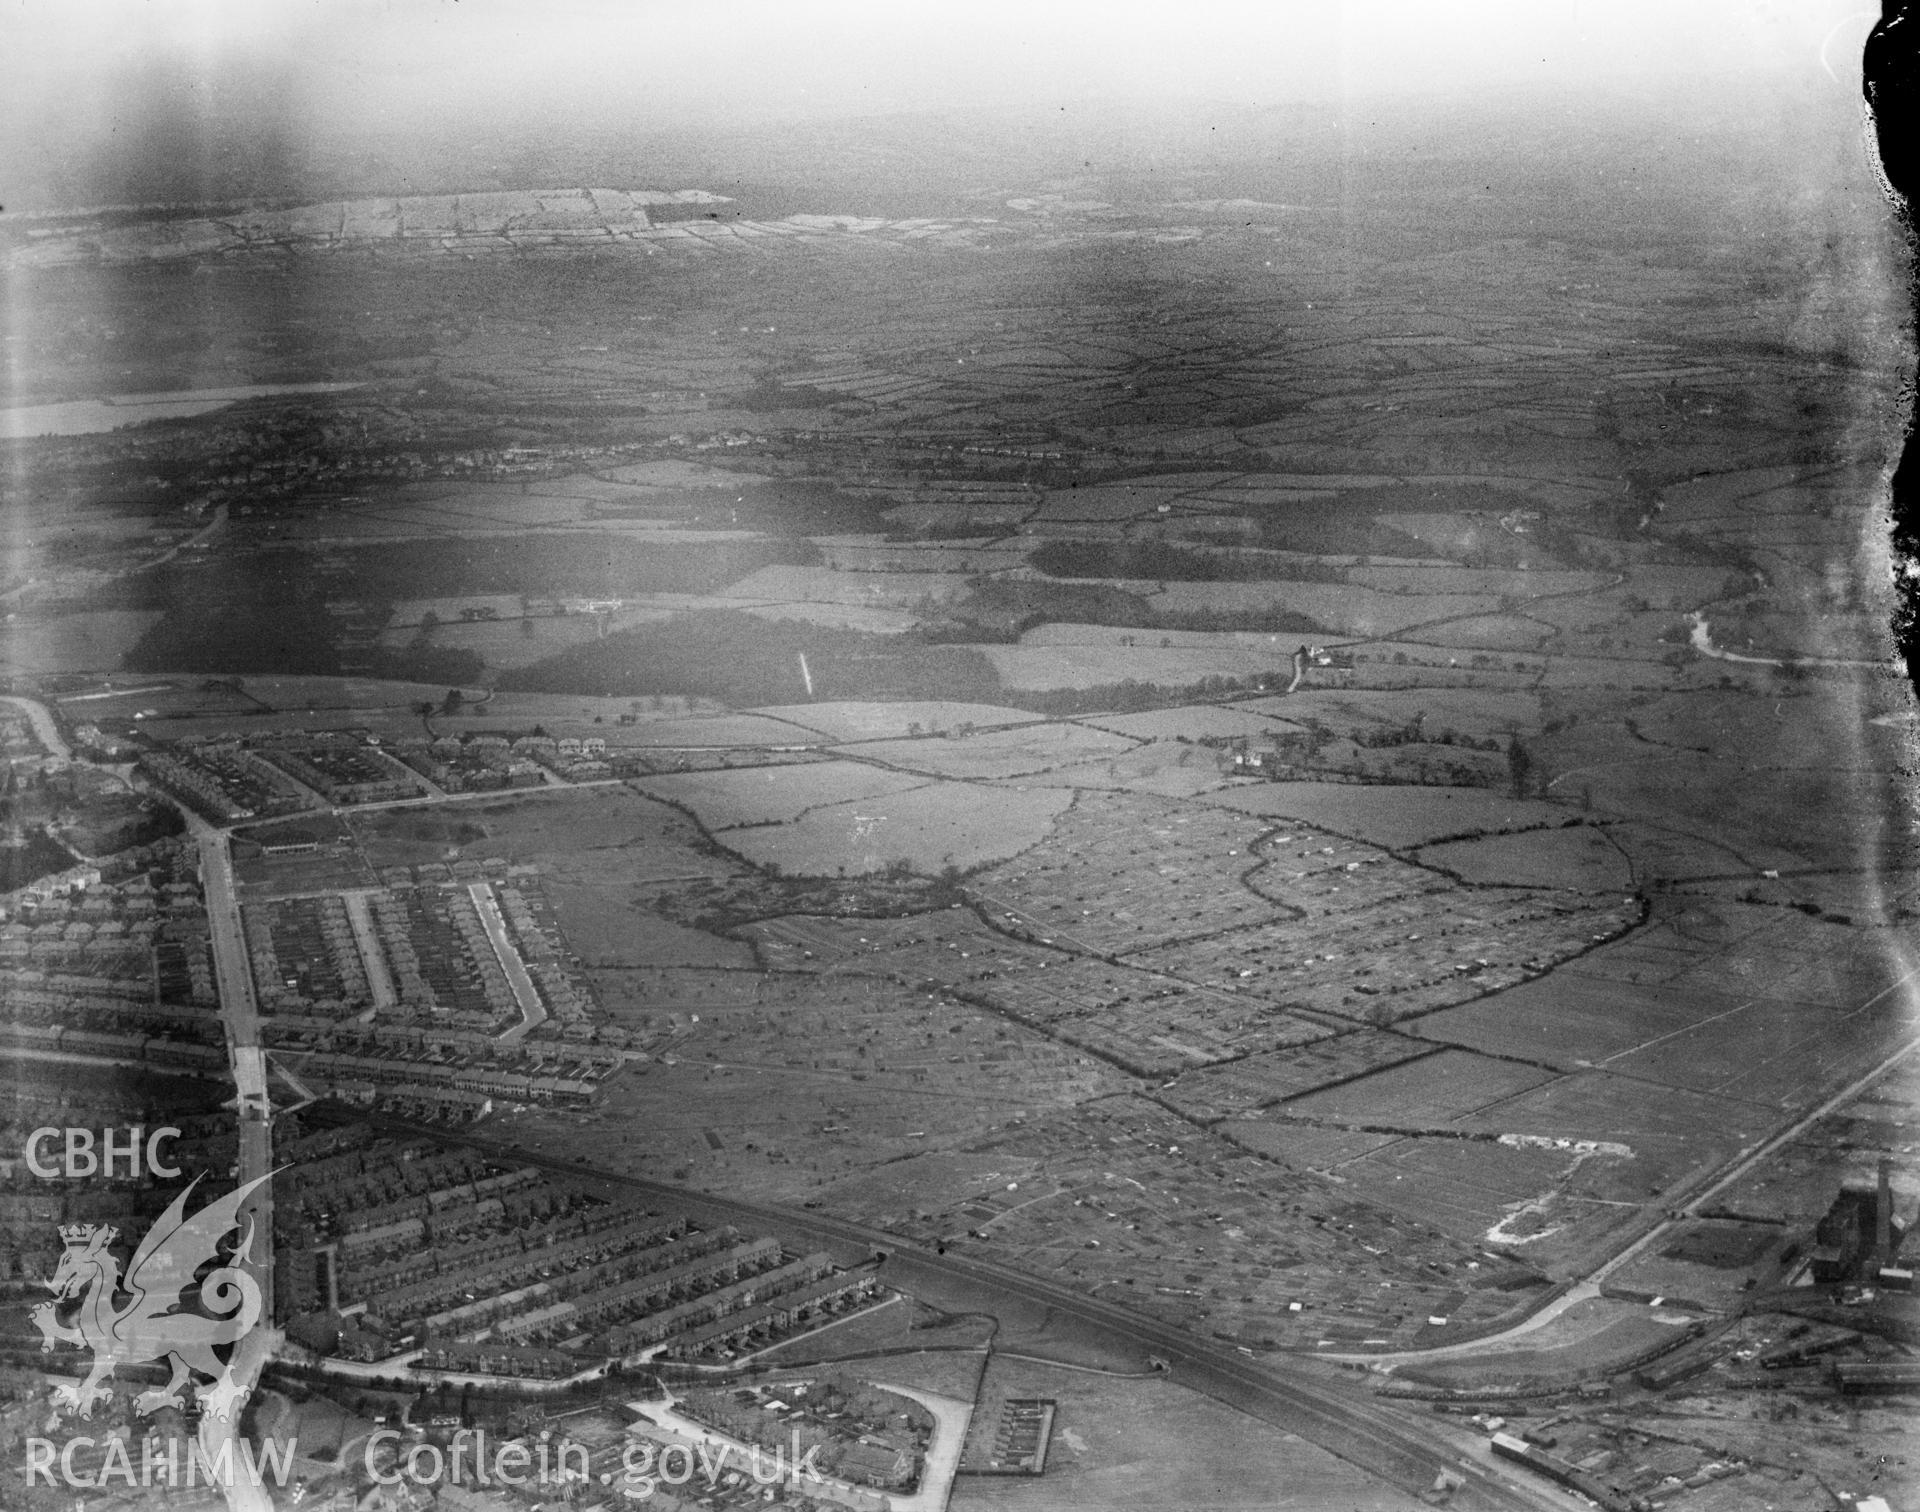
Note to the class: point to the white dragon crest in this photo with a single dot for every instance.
(147, 1325)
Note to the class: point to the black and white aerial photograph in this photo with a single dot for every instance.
(961, 756)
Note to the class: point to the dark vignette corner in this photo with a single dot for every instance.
(1891, 70)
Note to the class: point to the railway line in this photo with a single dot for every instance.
(1346, 1422)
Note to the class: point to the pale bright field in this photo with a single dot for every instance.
(1018, 752)
(775, 794)
(959, 824)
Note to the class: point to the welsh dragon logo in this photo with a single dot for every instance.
(87, 1286)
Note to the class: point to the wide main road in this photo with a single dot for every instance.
(1400, 1450)
(240, 1015)
(44, 728)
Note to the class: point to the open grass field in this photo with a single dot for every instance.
(666, 474)
(1257, 1081)
(1341, 608)
(1494, 632)
(1478, 580)
(714, 729)
(1302, 1146)
(611, 928)
(923, 1346)
(1605, 1002)
(1396, 818)
(506, 642)
(1120, 1445)
(775, 794)
(1573, 1020)
(1759, 817)
(1580, 859)
(888, 721)
(822, 585)
(1459, 1187)
(1019, 752)
(1820, 961)
(1729, 722)
(1148, 1022)
(1709, 1265)
(990, 517)
(1478, 712)
(1101, 661)
(1434, 1089)
(1409, 665)
(812, 1082)
(1770, 1051)
(419, 509)
(93, 641)
(1137, 498)
(945, 824)
(1194, 722)
(1588, 1341)
(1535, 1191)
(869, 553)
(1125, 872)
(1653, 1121)
(785, 1136)
(1733, 1000)
(572, 833)
(1167, 769)
(188, 705)
(871, 619)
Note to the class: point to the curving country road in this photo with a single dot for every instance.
(1344, 1420)
(1701, 639)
